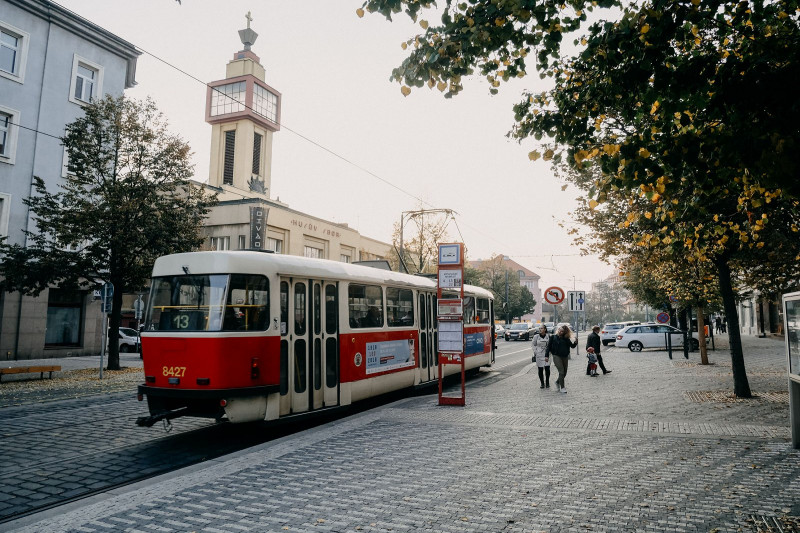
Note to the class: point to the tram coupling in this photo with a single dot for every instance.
(149, 421)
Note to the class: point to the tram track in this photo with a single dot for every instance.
(115, 466)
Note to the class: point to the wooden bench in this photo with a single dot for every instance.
(30, 370)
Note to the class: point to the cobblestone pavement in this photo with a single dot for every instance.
(634, 450)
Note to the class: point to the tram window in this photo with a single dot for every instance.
(317, 309)
(365, 303)
(247, 308)
(469, 310)
(284, 367)
(187, 303)
(284, 307)
(483, 310)
(423, 349)
(317, 364)
(422, 320)
(300, 365)
(331, 312)
(300, 309)
(399, 307)
(331, 361)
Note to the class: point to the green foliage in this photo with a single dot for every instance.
(126, 200)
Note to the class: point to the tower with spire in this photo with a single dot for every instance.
(244, 113)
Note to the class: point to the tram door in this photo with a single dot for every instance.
(427, 348)
(323, 367)
(295, 340)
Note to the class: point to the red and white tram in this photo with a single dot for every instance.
(246, 336)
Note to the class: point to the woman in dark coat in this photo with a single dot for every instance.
(560, 345)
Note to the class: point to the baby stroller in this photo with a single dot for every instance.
(592, 361)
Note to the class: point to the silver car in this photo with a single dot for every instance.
(637, 338)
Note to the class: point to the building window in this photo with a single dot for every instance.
(344, 258)
(13, 52)
(310, 251)
(87, 81)
(64, 318)
(257, 154)
(5, 209)
(265, 103)
(230, 143)
(9, 119)
(242, 241)
(227, 98)
(276, 245)
(220, 243)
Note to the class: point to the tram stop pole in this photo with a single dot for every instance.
(450, 317)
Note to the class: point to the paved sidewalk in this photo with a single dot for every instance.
(657, 445)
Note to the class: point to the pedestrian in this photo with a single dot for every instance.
(590, 355)
(593, 341)
(560, 345)
(541, 356)
(724, 325)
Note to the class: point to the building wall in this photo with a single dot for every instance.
(53, 39)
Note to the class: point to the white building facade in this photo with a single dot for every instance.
(52, 62)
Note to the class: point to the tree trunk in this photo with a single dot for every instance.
(686, 326)
(741, 387)
(701, 335)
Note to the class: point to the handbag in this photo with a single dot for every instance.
(533, 359)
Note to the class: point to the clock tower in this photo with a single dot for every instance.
(244, 113)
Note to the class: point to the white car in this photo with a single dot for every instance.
(636, 338)
(128, 340)
(608, 333)
(499, 331)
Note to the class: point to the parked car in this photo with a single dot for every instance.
(519, 332)
(608, 333)
(128, 340)
(637, 338)
(499, 331)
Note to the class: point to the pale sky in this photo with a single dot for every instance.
(332, 69)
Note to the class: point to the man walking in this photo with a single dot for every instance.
(593, 341)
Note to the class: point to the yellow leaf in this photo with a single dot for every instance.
(533, 156)
(655, 107)
(696, 2)
(424, 24)
(404, 46)
(645, 28)
(654, 241)
(564, 187)
(644, 153)
(360, 12)
(648, 215)
(656, 197)
(441, 86)
(584, 41)
(405, 90)
(499, 21)
(593, 204)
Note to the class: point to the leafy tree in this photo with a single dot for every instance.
(686, 104)
(494, 275)
(126, 200)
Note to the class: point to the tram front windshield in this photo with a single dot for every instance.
(213, 302)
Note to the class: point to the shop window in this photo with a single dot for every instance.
(64, 318)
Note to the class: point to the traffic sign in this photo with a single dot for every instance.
(575, 299)
(662, 318)
(554, 295)
(108, 297)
